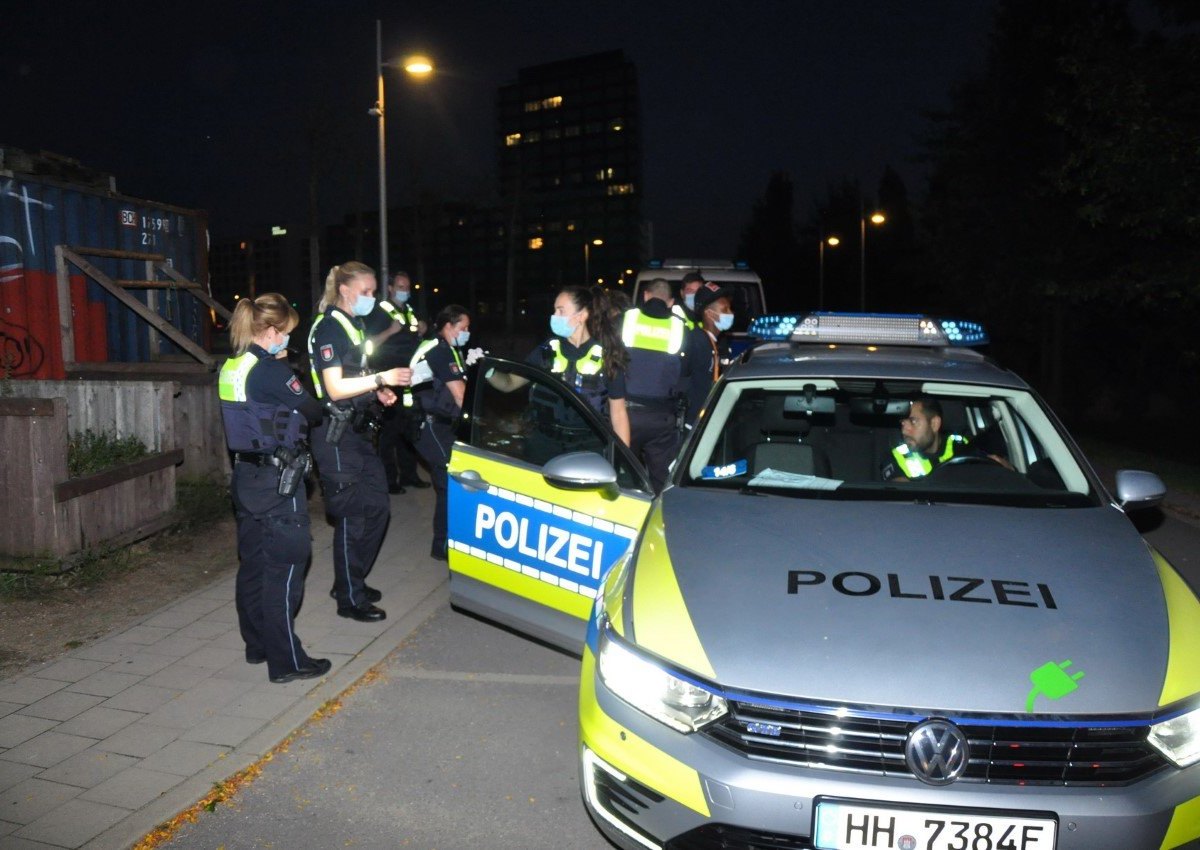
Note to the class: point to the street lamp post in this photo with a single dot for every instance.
(416, 66)
(877, 218)
(832, 242)
(587, 272)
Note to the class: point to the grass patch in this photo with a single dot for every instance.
(91, 451)
(200, 502)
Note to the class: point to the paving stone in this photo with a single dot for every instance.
(178, 676)
(214, 657)
(27, 801)
(224, 729)
(48, 749)
(184, 757)
(99, 723)
(106, 683)
(143, 663)
(62, 706)
(198, 704)
(73, 824)
(70, 669)
(178, 646)
(16, 729)
(7, 708)
(6, 827)
(206, 630)
(28, 689)
(143, 635)
(106, 650)
(260, 705)
(138, 739)
(344, 644)
(143, 698)
(12, 842)
(88, 769)
(12, 773)
(132, 788)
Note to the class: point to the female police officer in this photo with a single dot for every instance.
(352, 476)
(586, 353)
(266, 413)
(441, 401)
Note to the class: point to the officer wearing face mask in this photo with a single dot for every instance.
(714, 305)
(352, 476)
(688, 287)
(439, 389)
(395, 333)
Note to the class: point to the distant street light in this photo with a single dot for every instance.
(832, 242)
(877, 218)
(416, 66)
(587, 273)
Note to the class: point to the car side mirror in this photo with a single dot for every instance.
(1138, 490)
(580, 471)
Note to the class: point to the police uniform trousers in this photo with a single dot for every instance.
(654, 438)
(434, 444)
(274, 545)
(356, 499)
(397, 453)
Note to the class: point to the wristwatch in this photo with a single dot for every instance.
(379, 380)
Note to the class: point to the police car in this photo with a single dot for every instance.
(794, 648)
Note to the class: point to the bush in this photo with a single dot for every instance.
(89, 451)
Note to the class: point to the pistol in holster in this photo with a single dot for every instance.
(294, 465)
(339, 421)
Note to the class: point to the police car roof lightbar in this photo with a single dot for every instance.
(868, 329)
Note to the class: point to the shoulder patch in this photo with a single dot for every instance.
(294, 386)
(326, 352)
(454, 368)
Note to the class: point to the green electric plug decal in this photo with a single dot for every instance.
(1053, 681)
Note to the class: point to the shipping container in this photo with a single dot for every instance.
(40, 213)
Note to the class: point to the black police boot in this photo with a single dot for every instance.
(315, 667)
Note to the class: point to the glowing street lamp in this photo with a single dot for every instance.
(587, 259)
(832, 242)
(416, 66)
(876, 218)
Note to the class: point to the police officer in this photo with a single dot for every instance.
(688, 287)
(395, 332)
(352, 475)
(924, 447)
(714, 306)
(440, 399)
(267, 412)
(666, 381)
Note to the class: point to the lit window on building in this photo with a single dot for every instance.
(545, 103)
(620, 189)
(535, 244)
(571, 226)
(604, 174)
(512, 139)
(616, 125)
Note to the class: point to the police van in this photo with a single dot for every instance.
(737, 276)
(794, 646)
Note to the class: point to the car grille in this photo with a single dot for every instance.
(1016, 755)
(718, 836)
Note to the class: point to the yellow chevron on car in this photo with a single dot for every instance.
(1182, 678)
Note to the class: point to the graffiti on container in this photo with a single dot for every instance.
(6, 191)
(20, 352)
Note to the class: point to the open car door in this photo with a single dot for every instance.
(543, 499)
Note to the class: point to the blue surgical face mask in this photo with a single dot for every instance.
(363, 305)
(400, 296)
(724, 321)
(462, 338)
(689, 300)
(279, 346)
(561, 326)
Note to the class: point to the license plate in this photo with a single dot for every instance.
(851, 826)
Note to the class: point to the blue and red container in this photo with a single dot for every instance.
(39, 213)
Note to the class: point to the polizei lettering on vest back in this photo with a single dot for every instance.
(935, 588)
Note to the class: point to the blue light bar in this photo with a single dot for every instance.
(868, 329)
(654, 264)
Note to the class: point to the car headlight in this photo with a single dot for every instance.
(680, 704)
(1178, 738)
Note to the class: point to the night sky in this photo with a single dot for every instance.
(206, 104)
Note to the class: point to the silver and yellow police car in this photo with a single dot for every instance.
(884, 603)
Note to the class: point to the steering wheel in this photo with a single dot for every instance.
(963, 460)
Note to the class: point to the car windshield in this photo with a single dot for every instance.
(842, 439)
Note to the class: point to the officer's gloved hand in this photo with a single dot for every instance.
(474, 354)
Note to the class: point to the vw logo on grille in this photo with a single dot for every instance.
(936, 752)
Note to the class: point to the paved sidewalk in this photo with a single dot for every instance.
(110, 740)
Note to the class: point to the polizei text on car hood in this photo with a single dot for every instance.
(929, 606)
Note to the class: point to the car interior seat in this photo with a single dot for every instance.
(782, 445)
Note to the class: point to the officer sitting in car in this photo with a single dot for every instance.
(924, 447)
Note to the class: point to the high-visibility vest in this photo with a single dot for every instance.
(677, 310)
(418, 357)
(404, 315)
(589, 380)
(357, 337)
(649, 333)
(253, 426)
(915, 465)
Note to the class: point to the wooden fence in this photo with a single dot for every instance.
(45, 513)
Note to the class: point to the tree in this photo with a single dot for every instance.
(770, 245)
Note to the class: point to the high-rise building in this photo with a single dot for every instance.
(569, 141)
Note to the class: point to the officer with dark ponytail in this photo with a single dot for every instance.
(267, 413)
(352, 476)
